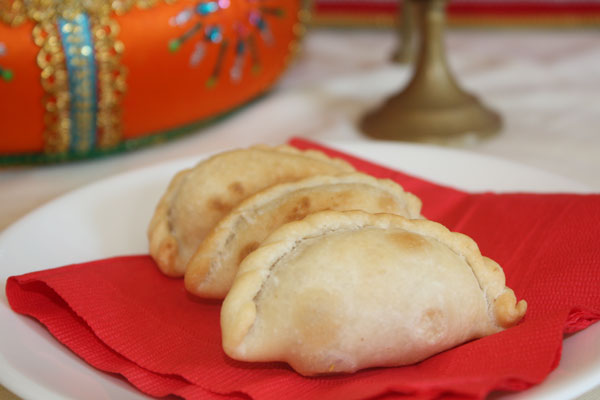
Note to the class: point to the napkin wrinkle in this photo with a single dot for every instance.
(104, 332)
(104, 358)
(580, 318)
(35, 298)
(129, 348)
(103, 336)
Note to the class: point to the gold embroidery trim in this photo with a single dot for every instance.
(303, 19)
(111, 80)
(51, 60)
(12, 12)
(15, 12)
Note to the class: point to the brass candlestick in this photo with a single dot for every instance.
(432, 107)
(404, 52)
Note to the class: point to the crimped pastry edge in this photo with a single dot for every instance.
(163, 246)
(238, 313)
(200, 266)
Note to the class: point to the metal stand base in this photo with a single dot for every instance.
(432, 107)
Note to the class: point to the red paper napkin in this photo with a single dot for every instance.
(123, 316)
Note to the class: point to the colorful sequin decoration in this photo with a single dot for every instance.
(5, 73)
(246, 30)
(81, 71)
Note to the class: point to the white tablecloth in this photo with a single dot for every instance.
(546, 85)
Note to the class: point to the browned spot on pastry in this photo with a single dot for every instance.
(387, 203)
(408, 240)
(217, 204)
(247, 249)
(236, 188)
(300, 209)
(432, 324)
(166, 257)
(316, 313)
(339, 200)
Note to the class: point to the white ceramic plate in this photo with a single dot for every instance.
(110, 217)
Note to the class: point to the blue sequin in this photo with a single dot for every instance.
(240, 47)
(213, 34)
(207, 8)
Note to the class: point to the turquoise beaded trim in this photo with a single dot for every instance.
(76, 37)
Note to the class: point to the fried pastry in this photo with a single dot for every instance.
(212, 269)
(343, 291)
(198, 198)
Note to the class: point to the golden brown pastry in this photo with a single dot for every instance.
(212, 269)
(198, 198)
(343, 291)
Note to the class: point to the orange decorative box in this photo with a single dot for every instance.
(80, 78)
